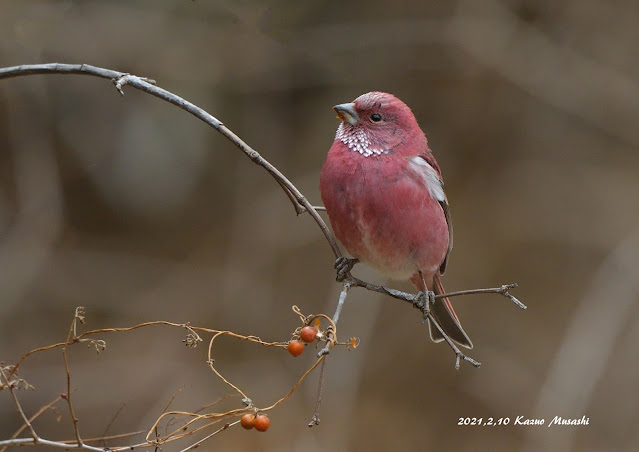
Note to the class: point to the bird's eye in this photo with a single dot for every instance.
(376, 117)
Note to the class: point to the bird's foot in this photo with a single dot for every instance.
(343, 265)
(423, 301)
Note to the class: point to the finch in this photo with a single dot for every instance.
(383, 192)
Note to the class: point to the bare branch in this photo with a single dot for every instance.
(195, 421)
(315, 420)
(120, 79)
(33, 418)
(71, 338)
(34, 435)
(414, 298)
(55, 444)
(197, 443)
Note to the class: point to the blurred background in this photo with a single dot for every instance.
(136, 210)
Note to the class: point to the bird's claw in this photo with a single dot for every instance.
(343, 265)
(423, 302)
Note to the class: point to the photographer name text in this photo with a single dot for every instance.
(523, 420)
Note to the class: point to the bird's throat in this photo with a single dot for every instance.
(356, 140)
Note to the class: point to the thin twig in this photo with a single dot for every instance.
(503, 290)
(315, 420)
(342, 298)
(106, 438)
(196, 444)
(115, 416)
(421, 303)
(32, 352)
(71, 337)
(33, 418)
(459, 355)
(56, 444)
(34, 435)
(412, 298)
(346, 285)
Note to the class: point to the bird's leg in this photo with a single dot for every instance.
(343, 265)
(425, 298)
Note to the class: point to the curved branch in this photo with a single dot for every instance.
(120, 79)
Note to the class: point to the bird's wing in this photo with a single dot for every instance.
(444, 204)
(433, 175)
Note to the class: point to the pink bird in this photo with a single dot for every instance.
(383, 192)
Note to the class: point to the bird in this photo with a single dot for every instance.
(384, 195)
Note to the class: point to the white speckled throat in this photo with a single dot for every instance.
(357, 141)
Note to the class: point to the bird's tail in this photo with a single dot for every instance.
(444, 314)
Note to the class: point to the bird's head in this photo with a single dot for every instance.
(376, 123)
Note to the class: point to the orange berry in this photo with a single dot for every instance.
(262, 423)
(308, 334)
(248, 421)
(295, 348)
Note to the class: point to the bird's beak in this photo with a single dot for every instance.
(347, 113)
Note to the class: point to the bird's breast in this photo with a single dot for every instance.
(381, 213)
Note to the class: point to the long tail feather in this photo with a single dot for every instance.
(444, 314)
(447, 319)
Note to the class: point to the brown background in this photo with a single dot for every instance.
(136, 210)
